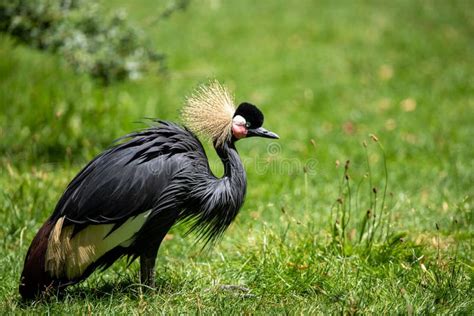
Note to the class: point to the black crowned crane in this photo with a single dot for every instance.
(126, 199)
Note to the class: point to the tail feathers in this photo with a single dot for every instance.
(38, 278)
(34, 278)
(57, 259)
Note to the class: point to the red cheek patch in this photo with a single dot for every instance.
(239, 131)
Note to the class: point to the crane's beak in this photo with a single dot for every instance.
(261, 132)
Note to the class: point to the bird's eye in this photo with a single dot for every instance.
(247, 124)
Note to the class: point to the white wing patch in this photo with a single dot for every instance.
(68, 257)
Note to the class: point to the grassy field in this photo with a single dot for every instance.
(327, 74)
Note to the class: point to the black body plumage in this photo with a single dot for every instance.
(162, 169)
(126, 199)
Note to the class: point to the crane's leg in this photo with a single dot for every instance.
(147, 266)
(157, 227)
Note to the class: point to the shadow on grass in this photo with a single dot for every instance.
(127, 288)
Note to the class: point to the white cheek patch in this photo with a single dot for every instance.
(239, 120)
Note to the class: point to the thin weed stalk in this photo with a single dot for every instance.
(384, 196)
(369, 173)
(349, 196)
(359, 184)
(373, 228)
(388, 217)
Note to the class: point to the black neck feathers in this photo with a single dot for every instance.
(218, 200)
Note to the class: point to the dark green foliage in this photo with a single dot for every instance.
(103, 45)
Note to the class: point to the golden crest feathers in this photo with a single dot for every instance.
(209, 112)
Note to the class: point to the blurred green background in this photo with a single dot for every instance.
(326, 74)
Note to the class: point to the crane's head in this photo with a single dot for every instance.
(210, 112)
(248, 121)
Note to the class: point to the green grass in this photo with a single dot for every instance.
(326, 74)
